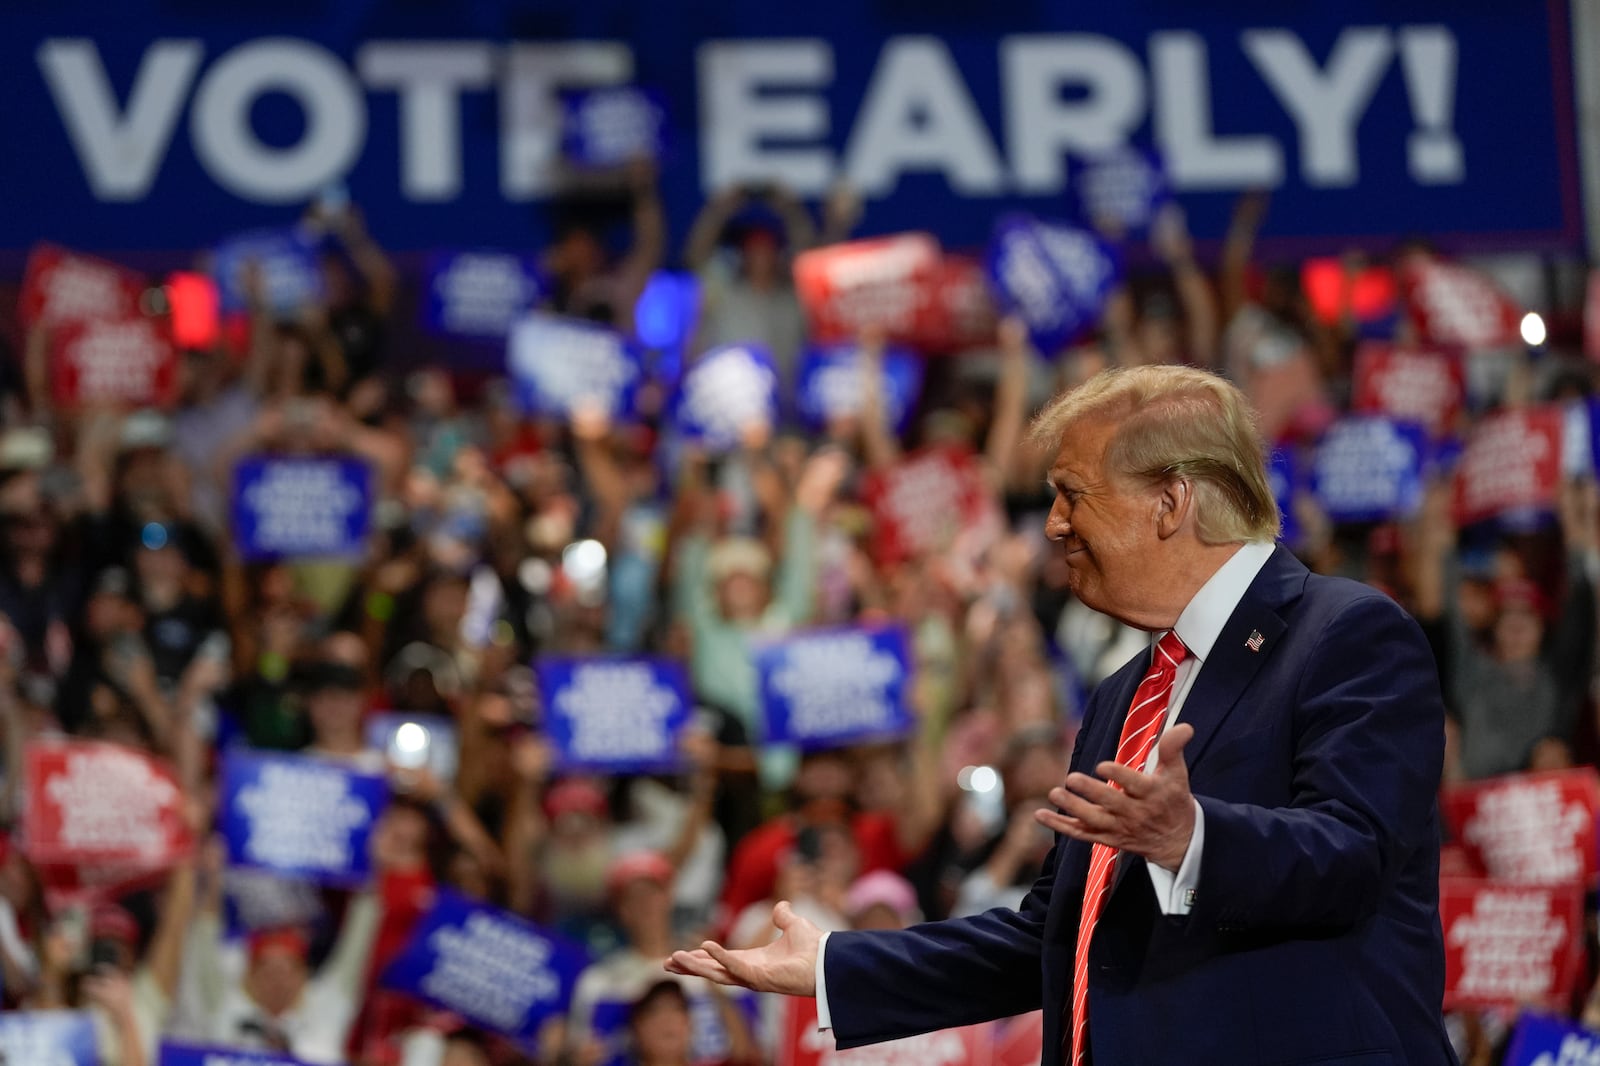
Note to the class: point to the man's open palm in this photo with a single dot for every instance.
(787, 965)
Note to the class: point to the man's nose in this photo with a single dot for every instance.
(1058, 525)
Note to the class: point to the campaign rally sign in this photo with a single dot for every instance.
(438, 741)
(116, 362)
(98, 805)
(709, 1040)
(61, 287)
(48, 1038)
(285, 508)
(1283, 475)
(1369, 469)
(291, 276)
(1424, 385)
(1020, 1041)
(1529, 828)
(1121, 189)
(885, 282)
(827, 688)
(801, 1043)
(1547, 1040)
(1454, 305)
(257, 899)
(1055, 277)
(611, 126)
(171, 1054)
(614, 715)
(1511, 463)
(559, 364)
(726, 391)
(489, 966)
(1510, 945)
(299, 816)
(960, 314)
(925, 502)
(479, 294)
(831, 385)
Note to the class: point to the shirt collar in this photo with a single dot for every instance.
(1201, 622)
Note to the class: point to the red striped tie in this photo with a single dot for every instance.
(1139, 733)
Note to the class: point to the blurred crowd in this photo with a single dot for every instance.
(128, 617)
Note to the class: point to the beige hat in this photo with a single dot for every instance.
(739, 555)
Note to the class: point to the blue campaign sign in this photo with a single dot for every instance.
(291, 276)
(1121, 188)
(487, 965)
(833, 687)
(167, 126)
(1283, 474)
(1540, 1040)
(48, 1038)
(480, 293)
(173, 1054)
(611, 126)
(256, 899)
(560, 363)
(1054, 276)
(726, 391)
(300, 507)
(615, 715)
(300, 816)
(1369, 469)
(830, 385)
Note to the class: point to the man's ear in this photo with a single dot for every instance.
(1174, 506)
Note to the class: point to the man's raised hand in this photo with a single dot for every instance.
(787, 965)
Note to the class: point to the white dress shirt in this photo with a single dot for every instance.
(1198, 627)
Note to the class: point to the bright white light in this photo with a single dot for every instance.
(410, 737)
(984, 779)
(584, 561)
(1533, 332)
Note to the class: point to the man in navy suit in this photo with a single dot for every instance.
(1259, 885)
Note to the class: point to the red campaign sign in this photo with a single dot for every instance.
(1455, 305)
(59, 286)
(1512, 461)
(1510, 945)
(887, 282)
(1591, 318)
(1423, 385)
(925, 502)
(124, 362)
(801, 1044)
(101, 809)
(1529, 828)
(961, 312)
(1020, 1041)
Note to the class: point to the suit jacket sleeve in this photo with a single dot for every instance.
(883, 985)
(1368, 749)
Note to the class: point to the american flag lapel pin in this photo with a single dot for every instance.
(1255, 641)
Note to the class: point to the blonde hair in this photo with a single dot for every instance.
(1177, 422)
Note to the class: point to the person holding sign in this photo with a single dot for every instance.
(1247, 861)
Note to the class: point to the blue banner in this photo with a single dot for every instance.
(1369, 469)
(1055, 277)
(256, 899)
(171, 1054)
(173, 124)
(291, 276)
(830, 385)
(559, 363)
(489, 966)
(833, 687)
(290, 508)
(726, 391)
(48, 1038)
(1545, 1041)
(612, 126)
(300, 816)
(1121, 189)
(479, 294)
(614, 715)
